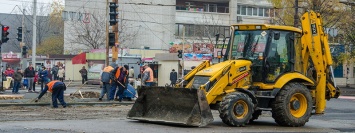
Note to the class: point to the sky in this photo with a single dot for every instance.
(8, 6)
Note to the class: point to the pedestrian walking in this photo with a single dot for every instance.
(173, 77)
(84, 75)
(148, 77)
(118, 79)
(54, 72)
(43, 74)
(17, 81)
(29, 74)
(57, 89)
(105, 79)
(61, 73)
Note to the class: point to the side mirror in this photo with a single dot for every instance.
(276, 35)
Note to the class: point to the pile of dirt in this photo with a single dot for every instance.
(86, 94)
(10, 97)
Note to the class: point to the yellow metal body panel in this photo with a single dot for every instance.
(283, 80)
(265, 27)
(228, 76)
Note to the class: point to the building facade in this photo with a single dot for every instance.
(156, 24)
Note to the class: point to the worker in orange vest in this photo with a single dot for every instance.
(148, 77)
(106, 81)
(119, 79)
(57, 89)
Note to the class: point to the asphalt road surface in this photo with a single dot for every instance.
(339, 117)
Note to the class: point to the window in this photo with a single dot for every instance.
(261, 12)
(243, 10)
(238, 9)
(255, 11)
(266, 12)
(176, 29)
(210, 7)
(249, 11)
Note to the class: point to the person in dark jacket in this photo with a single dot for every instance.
(54, 72)
(84, 75)
(105, 79)
(57, 89)
(43, 74)
(30, 74)
(118, 79)
(17, 81)
(173, 77)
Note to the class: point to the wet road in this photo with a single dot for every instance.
(339, 117)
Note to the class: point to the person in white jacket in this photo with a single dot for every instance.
(61, 72)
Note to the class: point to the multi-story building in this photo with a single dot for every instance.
(158, 23)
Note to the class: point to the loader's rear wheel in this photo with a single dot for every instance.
(292, 105)
(236, 109)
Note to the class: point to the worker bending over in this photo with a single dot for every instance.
(57, 89)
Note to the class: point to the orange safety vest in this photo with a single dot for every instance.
(151, 76)
(51, 84)
(118, 73)
(108, 69)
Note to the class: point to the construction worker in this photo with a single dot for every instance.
(148, 77)
(105, 79)
(118, 79)
(57, 89)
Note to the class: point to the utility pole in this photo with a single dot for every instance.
(23, 66)
(107, 42)
(296, 14)
(114, 48)
(34, 33)
(183, 51)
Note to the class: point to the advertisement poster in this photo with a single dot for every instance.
(198, 48)
(203, 48)
(197, 57)
(95, 68)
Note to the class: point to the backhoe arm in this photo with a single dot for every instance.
(316, 48)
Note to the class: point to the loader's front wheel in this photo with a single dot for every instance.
(292, 105)
(236, 109)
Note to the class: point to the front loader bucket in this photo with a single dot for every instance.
(178, 106)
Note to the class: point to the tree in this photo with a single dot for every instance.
(49, 23)
(55, 43)
(331, 10)
(92, 34)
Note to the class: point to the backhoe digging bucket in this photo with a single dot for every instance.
(179, 106)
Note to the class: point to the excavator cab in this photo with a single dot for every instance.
(271, 50)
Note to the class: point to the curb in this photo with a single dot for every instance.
(76, 103)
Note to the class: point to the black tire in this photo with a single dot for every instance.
(228, 111)
(299, 113)
(255, 115)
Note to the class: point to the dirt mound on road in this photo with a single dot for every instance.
(86, 94)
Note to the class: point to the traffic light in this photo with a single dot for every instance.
(19, 34)
(111, 39)
(180, 53)
(4, 31)
(113, 13)
(24, 51)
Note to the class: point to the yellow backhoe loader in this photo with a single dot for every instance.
(281, 69)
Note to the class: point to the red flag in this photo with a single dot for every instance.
(79, 59)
